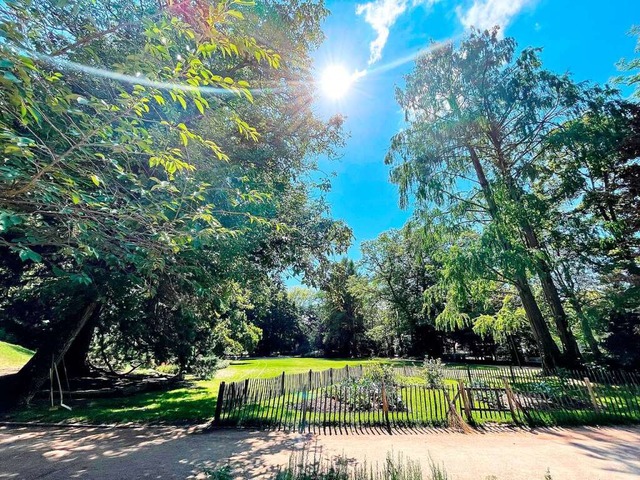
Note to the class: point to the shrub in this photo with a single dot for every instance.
(365, 393)
(433, 372)
(205, 367)
(168, 369)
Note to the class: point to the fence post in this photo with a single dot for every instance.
(347, 369)
(469, 375)
(513, 377)
(282, 384)
(216, 417)
(331, 376)
(310, 377)
(303, 420)
(385, 407)
(510, 400)
(592, 394)
(465, 401)
(246, 391)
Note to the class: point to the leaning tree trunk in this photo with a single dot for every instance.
(572, 354)
(587, 332)
(76, 360)
(20, 388)
(549, 351)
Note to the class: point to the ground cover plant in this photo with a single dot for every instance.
(306, 466)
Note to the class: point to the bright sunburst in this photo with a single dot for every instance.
(336, 81)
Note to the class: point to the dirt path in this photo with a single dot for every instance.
(62, 453)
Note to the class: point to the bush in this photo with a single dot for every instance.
(205, 367)
(433, 372)
(365, 393)
(168, 369)
(381, 373)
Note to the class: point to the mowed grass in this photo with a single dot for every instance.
(180, 406)
(13, 357)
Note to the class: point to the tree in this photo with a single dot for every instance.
(590, 179)
(477, 119)
(122, 172)
(401, 271)
(342, 317)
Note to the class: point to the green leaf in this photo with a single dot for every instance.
(28, 254)
(199, 105)
(95, 180)
(8, 220)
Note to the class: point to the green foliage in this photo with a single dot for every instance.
(506, 129)
(144, 171)
(220, 473)
(168, 369)
(399, 271)
(509, 320)
(205, 367)
(632, 66)
(433, 372)
(343, 321)
(305, 467)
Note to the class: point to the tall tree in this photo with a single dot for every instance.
(398, 265)
(343, 320)
(477, 118)
(145, 171)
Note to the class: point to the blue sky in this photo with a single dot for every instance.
(585, 37)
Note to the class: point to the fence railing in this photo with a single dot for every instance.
(339, 398)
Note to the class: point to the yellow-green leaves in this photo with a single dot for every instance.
(246, 130)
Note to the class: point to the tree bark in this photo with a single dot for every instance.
(586, 328)
(549, 351)
(572, 354)
(77, 357)
(22, 386)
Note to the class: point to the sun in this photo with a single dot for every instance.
(336, 81)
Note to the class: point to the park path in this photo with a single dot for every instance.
(166, 453)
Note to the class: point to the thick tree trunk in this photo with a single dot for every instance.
(20, 388)
(572, 354)
(77, 357)
(549, 351)
(586, 328)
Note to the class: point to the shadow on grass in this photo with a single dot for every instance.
(183, 405)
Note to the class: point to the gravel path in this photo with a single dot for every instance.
(163, 453)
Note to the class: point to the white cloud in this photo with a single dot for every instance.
(485, 14)
(381, 15)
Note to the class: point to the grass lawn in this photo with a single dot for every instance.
(13, 357)
(183, 405)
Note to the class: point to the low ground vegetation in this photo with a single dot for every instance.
(303, 466)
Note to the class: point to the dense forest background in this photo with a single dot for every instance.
(157, 186)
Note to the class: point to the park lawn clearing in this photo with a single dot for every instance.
(193, 404)
(13, 357)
